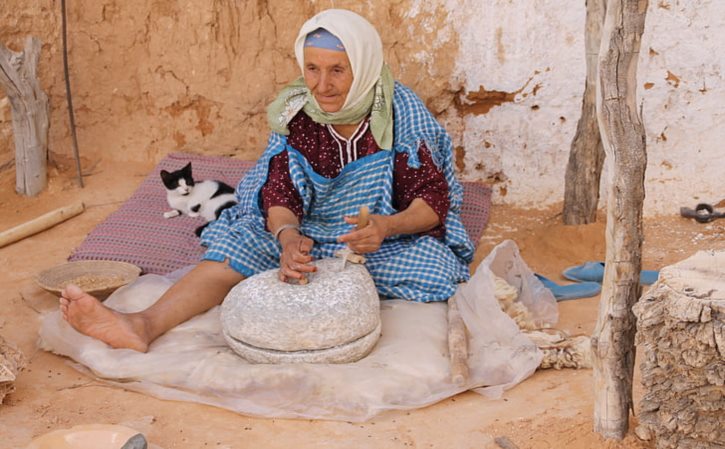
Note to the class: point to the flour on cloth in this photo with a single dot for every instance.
(408, 368)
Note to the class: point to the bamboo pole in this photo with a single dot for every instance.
(39, 224)
(623, 137)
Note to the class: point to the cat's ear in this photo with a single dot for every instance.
(166, 178)
(187, 168)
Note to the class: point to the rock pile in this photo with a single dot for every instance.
(11, 363)
(681, 330)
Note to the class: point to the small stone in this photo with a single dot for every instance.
(137, 441)
(12, 362)
(505, 443)
(644, 433)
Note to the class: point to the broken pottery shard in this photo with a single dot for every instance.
(335, 318)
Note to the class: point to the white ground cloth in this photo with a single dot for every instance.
(407, 369)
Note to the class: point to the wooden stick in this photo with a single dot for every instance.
(350, 256)
(68, 96)
(623, 135)
(457, 344)
(363, 217)
(29, 105)
(41, 223)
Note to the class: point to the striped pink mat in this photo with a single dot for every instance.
(139, 234)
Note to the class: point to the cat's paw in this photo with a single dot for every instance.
(171, 214)
(193, 214)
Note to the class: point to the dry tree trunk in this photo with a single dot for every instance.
(581, 191)
(624, 142)
(681, 328)
(29, 105)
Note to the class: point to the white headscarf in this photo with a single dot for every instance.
(362, 44)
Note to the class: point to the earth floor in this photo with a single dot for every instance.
(551, 409)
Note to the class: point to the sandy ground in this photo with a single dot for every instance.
(552, 409)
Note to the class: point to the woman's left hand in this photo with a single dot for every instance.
(367, 239)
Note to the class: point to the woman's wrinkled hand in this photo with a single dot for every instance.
(367, 239)
(295, 260)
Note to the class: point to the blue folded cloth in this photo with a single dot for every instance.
(594, 272)
(571, 291)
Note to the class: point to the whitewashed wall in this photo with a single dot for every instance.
(683, 96)
(536, 50)
(152, 77)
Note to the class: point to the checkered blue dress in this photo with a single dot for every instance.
(417, 268)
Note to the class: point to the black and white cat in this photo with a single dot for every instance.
(205, 199)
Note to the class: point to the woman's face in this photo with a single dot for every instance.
(328, 75)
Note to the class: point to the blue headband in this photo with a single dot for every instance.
(321, 38)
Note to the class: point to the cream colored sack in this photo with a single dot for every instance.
(408, 367)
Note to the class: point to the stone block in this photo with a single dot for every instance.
(334, 318)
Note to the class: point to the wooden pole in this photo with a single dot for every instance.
(29, 105)
(41, 223)
(581, 185)
(68, 96)
(623, 137)
(457, 344)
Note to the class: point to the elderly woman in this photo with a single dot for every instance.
(345, 135)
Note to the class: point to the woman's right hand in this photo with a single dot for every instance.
(295, 260)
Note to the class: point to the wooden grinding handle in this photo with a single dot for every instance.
(363, 217)
(457, 344)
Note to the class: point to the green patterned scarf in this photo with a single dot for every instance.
(378, 103)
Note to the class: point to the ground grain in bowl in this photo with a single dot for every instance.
(88, 283)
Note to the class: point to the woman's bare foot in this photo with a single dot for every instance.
(88, 316)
